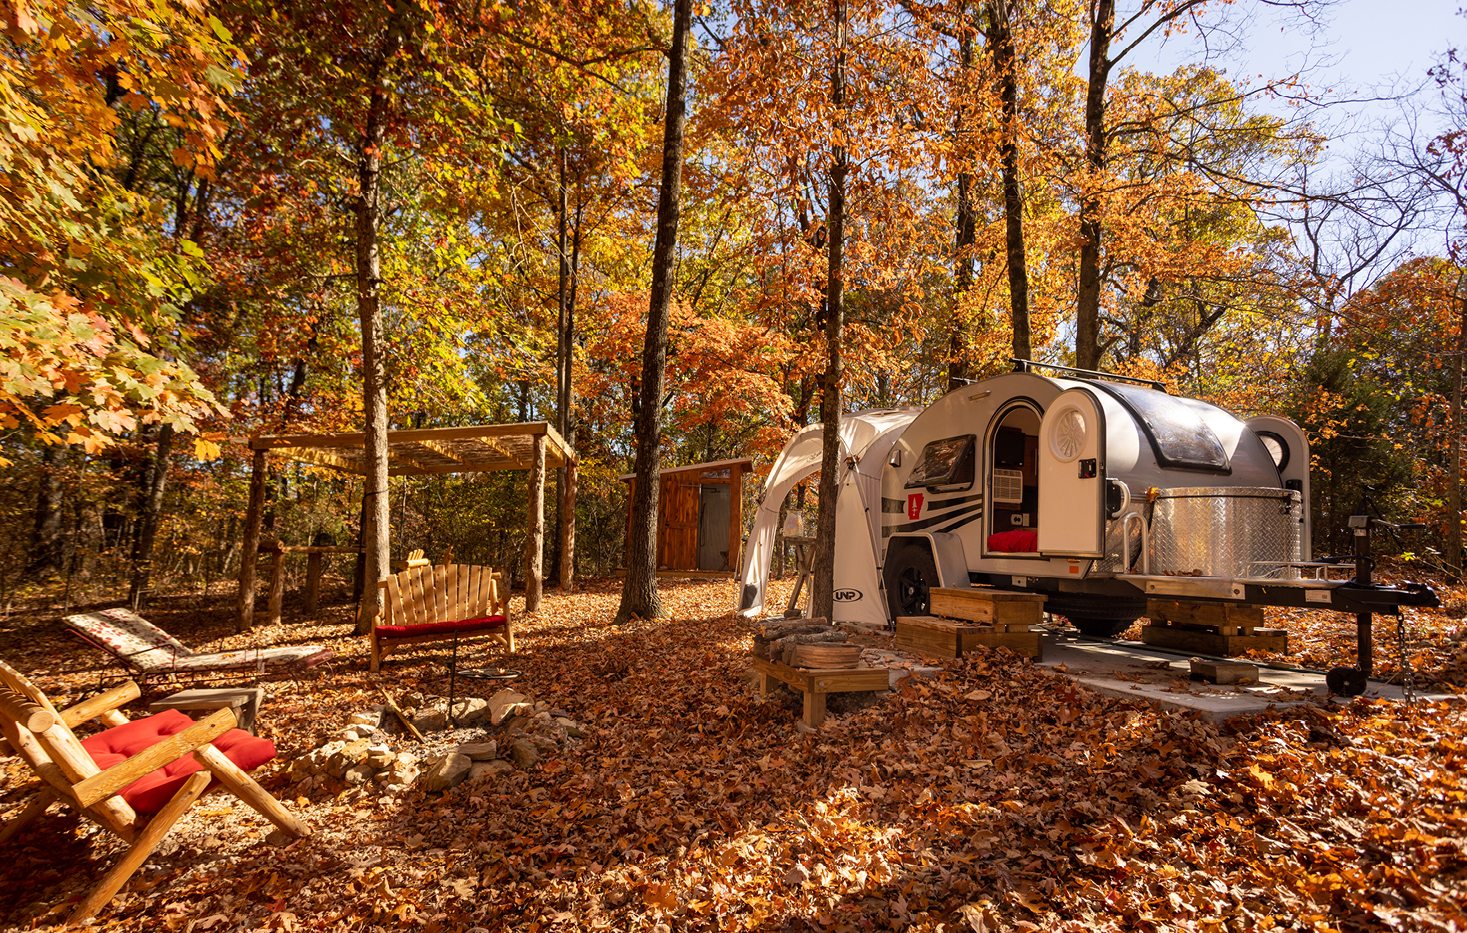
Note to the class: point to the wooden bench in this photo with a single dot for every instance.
(442, 603)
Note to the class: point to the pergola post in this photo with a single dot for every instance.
(253, 519)
(568, 476)
(535, 546)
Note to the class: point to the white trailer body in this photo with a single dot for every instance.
(1097, 492)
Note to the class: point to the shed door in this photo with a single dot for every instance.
(677, 513)
(1072, 477)
(713, 519)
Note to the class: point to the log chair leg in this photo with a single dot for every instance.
(238, 780)
(146, 842)
(814, 708)
(33, 808)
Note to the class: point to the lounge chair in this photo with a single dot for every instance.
(135, 778)
(148, 651)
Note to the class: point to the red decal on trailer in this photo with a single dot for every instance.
(914, 506)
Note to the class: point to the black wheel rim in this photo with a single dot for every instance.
(912, 591)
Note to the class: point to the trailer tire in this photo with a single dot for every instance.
(1097, 617)
(909, 575)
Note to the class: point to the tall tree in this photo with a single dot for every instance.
(822, 584)
(639, 597)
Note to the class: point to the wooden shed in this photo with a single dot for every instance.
(699, 515)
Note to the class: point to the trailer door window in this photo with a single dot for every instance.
(1179, 436)
(945, 464)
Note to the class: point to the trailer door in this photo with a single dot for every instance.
(1072, 476)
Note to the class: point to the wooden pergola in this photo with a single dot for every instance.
(533, 446)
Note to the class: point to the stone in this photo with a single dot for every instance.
(479, 751)
(411, 700)
(445, 772)
(471, 711)
(350, 754)
(405, 760)
(505, 703)
(373, 719)
(524, 754)
(380, 755)
(430, 720)
(483, 770)
(572, 728)
(359, 774)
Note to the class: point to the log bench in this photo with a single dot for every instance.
(815, 685)
(443, 603)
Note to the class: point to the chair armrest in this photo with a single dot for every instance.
(91, 708)
(169, 749)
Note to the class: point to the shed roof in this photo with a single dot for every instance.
(474, 449)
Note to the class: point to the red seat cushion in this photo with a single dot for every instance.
(459, 626)
(149, 793)
(1018, 541)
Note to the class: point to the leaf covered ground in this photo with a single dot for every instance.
(994, 795)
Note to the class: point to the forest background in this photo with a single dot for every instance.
(198, 200)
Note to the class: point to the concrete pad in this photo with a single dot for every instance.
(1136, 671)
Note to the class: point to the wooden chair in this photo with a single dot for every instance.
(136, 778)
(443, 603)
(148, 651)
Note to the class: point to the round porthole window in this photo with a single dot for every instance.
(1068, 438)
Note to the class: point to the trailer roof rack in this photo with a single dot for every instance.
(1027, 365)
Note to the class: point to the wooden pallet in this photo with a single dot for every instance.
(1202, 641)
(816, 685)
(1016, 611)
(1224, 672)
(948, 638)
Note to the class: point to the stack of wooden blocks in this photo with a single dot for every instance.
(1210, 628)
(965, 619)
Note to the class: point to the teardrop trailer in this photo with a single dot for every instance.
(1098, 491)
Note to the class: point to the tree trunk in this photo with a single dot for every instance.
(142, 553)
(1087, 309)
(639, 598)
(374, 376)
(1454, 474)
(1002, 42)
(959, 370)
(822, 584)
(46, 534)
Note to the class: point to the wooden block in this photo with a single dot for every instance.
(1224, 672)
(244, 701)
(1228, 618)
(825, 656)
(1201, 641)
(1028, 644)
(927, 635)
(987, 605)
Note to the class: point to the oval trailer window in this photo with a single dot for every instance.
(1068, 438)
(1276, 448)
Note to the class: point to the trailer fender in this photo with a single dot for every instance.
(947, 554)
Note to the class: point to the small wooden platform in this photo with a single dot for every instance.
(815, 685)
(949, 638)
(995, 607)
(245, 701)
(1223, 672)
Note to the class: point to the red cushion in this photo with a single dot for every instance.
(481, 624)
(1018, 541)
(149, 793)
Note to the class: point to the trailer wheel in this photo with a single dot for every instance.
(1097, 617)
(909, 575)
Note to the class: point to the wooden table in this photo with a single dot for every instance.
(245, 701)
(815, 685)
